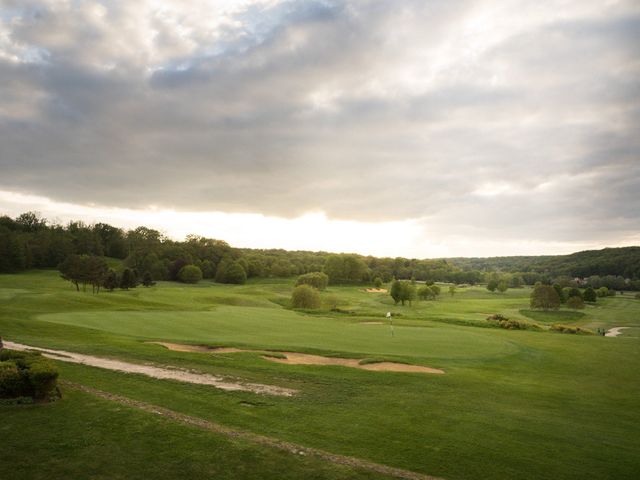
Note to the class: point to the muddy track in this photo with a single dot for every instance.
(153, 371)
(253, 437)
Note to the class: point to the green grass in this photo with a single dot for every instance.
(83, 436)
(512, 404)
(553, 316)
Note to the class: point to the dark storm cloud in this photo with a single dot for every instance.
(475, 116)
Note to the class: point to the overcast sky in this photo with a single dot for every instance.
(403, 128)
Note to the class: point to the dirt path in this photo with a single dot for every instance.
(253, 437)
(614, 332)
(294, 358)
(156, 372)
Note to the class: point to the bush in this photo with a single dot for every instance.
(43, 376)
(503, 322)
(496, 317)
(570, 329)
(318, 280)
(377, 282)
(305, 296)
(26, 374)
(190, 274)
(545, 297)
(10, 380)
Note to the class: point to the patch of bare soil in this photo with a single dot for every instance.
(376, 290)
(179, 375)
(179, 347)
(292, 448)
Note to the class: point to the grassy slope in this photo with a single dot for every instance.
(513, 404)
(86, 437)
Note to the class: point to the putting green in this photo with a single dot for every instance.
(274, 328)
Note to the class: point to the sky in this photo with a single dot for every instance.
(430, 128)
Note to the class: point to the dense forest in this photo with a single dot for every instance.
(29, 241)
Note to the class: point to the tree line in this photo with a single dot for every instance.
(30, 241)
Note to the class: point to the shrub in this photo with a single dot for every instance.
(570, 329)
(26, 374)
(190, 274)
(42, 376)
(503, 322)
(377, 282)
(10, 380)
(305, 296)
(496, 317)
(318, 280)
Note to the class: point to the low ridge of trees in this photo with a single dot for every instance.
(29, 241)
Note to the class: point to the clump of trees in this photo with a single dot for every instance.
(429, 292)
(91, 270)
(317, 280)
(305, 296)
(545, 297)
(84, 269)
(402, 291)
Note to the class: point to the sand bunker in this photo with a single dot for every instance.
(179, 347)
(179, 375)
(376, 290)
(371, 323)
(294, 358)
(614, 332)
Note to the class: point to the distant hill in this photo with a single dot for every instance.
(623, 261)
